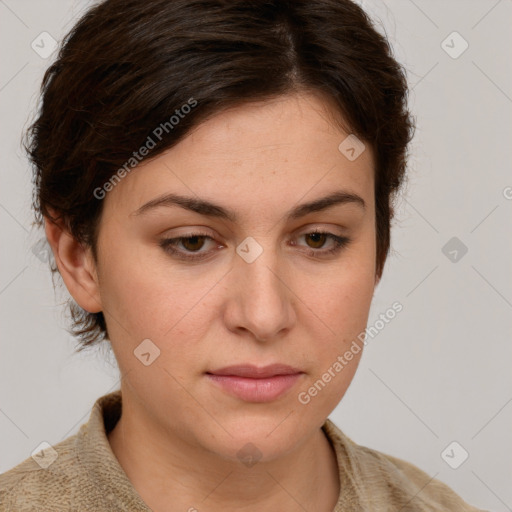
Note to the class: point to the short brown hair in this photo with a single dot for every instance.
(127, 66)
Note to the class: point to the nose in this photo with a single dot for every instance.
(260, 298)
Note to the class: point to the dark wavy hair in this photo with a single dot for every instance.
(127, 66)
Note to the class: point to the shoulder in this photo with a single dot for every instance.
(46, 477)
(79, 473)
(56, 479)
(381, 479)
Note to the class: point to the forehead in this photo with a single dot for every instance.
(271, 152)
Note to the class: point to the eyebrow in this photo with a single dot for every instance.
(210, 209)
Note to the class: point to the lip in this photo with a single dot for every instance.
(256, 384)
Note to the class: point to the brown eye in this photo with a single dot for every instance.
(318, 239)
(193, 243)
(188, 247)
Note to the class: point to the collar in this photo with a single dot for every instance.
(109, 478)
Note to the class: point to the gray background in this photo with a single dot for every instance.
(439, 372)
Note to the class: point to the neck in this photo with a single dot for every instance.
(168, 471)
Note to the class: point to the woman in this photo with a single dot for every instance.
(216, 181)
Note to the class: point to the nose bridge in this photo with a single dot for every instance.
(261, 298)
(258, 265)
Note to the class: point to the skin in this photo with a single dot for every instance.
(179, 434)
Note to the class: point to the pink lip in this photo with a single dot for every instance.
(254, 384)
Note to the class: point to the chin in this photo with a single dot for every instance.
(257, 438)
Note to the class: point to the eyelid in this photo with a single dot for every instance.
(167, 244)
(315, 228)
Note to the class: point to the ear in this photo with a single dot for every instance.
(76, 266)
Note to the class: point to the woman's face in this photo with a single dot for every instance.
(244, 283)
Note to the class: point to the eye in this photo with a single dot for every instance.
(192, 243)
(318, 238)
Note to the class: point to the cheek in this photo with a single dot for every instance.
(153, 305)
(335, 356)
(338, 316)
(341, 299)
(144, 297)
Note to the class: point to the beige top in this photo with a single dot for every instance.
(86, 476)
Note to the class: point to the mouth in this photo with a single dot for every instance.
(255, 384)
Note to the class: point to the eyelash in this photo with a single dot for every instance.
(168, 245)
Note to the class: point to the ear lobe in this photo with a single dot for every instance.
(76, 266)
